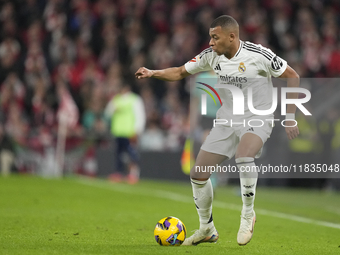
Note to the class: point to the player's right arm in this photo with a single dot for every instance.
(198, 64)
(169, 74)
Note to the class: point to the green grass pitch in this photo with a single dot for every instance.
(91, 216)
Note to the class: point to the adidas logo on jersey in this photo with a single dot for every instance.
(251, 129)
(217, 68)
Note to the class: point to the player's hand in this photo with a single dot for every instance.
(143, 72)
(292, 132)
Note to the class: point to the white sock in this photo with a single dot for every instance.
(248, 180)
(203, 197)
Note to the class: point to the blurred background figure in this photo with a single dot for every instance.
(127, 118)
(6, 152)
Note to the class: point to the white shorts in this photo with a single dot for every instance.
(224, 140)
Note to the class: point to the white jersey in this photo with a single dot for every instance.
(253, 65)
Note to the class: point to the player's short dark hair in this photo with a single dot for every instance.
(224, 21)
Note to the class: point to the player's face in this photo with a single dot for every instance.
(220, 40)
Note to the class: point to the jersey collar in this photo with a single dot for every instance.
(237, 53)
(239, 49)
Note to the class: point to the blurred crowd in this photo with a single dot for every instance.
(90, 47)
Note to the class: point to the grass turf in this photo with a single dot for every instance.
(83, 216)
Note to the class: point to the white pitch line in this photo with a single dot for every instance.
(186, 199)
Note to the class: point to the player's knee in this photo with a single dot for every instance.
(199, 173)
(242, 155)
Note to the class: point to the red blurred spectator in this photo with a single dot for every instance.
(35, 65)
(9, 52)
(333, 67)
(34, 33)
(16, 125)
(12, 90)
(109, 52)
(62, 49)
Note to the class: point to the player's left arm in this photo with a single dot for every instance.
(293, 80)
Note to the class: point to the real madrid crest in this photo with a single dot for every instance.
(241, 67)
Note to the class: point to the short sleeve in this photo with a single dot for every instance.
(273, 63)
(199, 63)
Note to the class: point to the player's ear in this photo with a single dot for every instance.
(231, 37)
